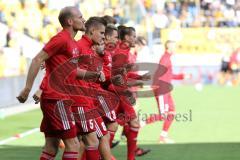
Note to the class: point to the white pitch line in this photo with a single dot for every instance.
(24, 134)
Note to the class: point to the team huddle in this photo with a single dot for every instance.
(86, 91)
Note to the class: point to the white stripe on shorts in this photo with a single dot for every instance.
(98, 130)
(105, 107)
(66, 116)
(63, 115)
(83, 119)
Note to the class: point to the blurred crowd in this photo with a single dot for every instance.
(37, 18)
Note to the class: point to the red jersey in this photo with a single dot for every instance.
(90, 61)
(133, 75)
(168, 76)
(60, 49)
(120, 58)
(123, 56)
(107, 64)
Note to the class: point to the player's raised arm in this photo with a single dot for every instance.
(32, 73)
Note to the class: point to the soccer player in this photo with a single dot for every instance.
(126, 113)
(111, 39)
(57, 121)
(93, 36)
(165, 102)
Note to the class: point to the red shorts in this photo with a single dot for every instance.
(105, 110)
(57, 119)
(88, 120)
(101, 128)
(166, 103)
(125, 113)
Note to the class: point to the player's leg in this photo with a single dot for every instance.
(82, 153)
(106, 135)
(131, 132)
(50, 148)
(169, 114)
(71, 149)
(109, 116)
(85, 124)
(112, 129)
(69, 136)
(130, 128)
(58, 124)
(104, 147)
(91, 145)
(102, 134)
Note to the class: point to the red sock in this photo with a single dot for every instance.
(84, 156)
(92, 153)
(70, 156)
(112, 135)
(126, 129)
(131, 135)
(47, 156)
(167, 122)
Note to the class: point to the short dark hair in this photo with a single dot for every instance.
(65, 14)
(109, 29)
(100, 19)
(93, 22)
(109, 19)
(123, 31)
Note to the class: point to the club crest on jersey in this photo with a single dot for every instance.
(75, 52)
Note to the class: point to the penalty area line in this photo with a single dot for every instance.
(19, 136)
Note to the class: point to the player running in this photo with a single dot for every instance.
(57, 120)
(165, 102)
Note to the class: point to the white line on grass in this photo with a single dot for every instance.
(18, 136)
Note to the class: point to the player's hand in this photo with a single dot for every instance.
(132, 100)
(102, 77)
(129, 67)
(146, 77)
(122, 71)
(130, 97)
(42, 66)
(23, 95)
(117, 80)
(37, 96)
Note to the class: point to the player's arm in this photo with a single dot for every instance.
(32, 73)
(135, 83)
(83, 74)
(178, 76)
(144, 77)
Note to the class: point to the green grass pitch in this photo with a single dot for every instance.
(210, 132)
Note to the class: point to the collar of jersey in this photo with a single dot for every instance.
(87, 40)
